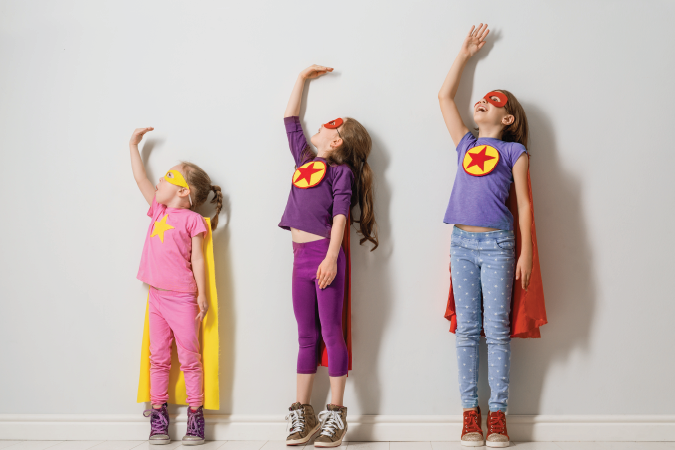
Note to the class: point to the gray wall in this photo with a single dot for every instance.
(213, 78)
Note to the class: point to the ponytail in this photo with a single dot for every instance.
(200, 188)
(218, 200)
(364, 194)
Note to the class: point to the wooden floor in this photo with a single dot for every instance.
(278, 445)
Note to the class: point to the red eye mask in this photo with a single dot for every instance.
(333, 124)
(499, 104)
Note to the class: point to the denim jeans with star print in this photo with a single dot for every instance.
(482, 266)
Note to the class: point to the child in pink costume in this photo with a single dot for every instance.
(173, 265)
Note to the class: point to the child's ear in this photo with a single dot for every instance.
(183, 193)
(336, 143)
(508, 120)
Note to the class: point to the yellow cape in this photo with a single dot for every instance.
(208, 343)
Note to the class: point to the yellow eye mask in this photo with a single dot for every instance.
(176, 178)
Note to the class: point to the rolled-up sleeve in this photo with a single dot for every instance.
(296, 138)
(342, 190)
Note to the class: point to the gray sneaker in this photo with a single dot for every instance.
(333, 426)
(304, 424)
(195, 427)
(159, 425)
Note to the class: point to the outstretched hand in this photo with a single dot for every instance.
(138, 134)
(475, 40)
(315, 71)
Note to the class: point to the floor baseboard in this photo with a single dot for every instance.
(361, 428)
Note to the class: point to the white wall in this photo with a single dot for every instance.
(213, 78)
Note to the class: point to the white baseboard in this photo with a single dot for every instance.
(361, 428)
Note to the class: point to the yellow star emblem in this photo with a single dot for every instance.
(160, 227)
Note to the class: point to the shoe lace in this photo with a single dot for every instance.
(330, 420)
(297, 421)
(471, 422)
(158, 422)
(195, 426)
(497, 423)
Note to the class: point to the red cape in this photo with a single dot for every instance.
(528, 311)
(346, 304)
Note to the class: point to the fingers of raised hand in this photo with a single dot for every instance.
(484, 34)
(479, 33)
(322, 68)
(316, 70)
(141, 131)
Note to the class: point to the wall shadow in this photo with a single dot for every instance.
(372, 290)
(227, 325)
(146, 151)
(567, 270)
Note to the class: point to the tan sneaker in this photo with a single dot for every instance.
(472, 434)
(304, 424)
(333, 426)
(496, 435)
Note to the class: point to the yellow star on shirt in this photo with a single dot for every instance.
(160, 228)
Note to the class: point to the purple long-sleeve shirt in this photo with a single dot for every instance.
(312, 209)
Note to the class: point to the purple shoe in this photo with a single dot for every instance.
(195, 427)
(159, 425)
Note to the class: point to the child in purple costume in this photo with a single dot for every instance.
(324, 187)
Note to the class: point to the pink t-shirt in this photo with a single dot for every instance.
(167, 253)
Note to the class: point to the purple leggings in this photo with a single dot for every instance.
(318, 311)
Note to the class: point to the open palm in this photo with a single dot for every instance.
(475, 40)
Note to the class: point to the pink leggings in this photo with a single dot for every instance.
(172, 314)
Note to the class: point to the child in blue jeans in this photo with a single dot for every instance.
(483, 248)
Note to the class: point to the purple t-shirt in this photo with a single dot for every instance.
(481, 200)
(312, 209)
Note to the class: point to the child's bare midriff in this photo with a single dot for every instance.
(302, 237)
(472, 229)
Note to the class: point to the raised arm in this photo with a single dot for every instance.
(294, 103)
(146, 187)
(473, 42)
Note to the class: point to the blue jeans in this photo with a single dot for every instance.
(483, 266)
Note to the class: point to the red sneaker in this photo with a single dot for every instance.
(472, 434)
(496, 436)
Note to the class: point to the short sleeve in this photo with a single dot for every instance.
(196, 225)
(515, 150)
(467, 141)
(153, 207)
(296, 138)
(342, 190)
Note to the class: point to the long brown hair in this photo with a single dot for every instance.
(518, 131)
(200, 187)
(354, 151)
